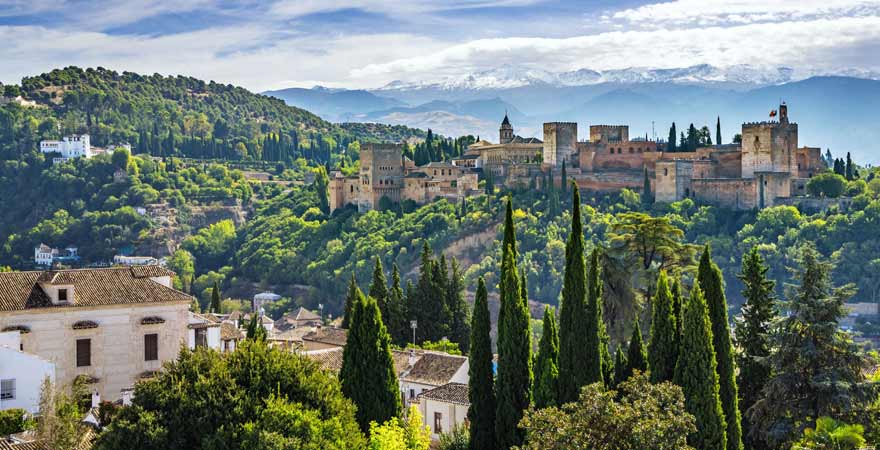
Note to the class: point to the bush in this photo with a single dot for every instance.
(827, 184)
(12, 421)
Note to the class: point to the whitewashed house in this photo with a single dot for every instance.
(123, 260)
(46, 256)
(261, 299)
(109, 327)
(203, 331)
(75, 146)
(21, 374)
(444, 408)
(428, 370)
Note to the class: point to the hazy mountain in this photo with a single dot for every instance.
(334, 104)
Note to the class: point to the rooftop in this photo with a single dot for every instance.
(449, 393)
(328, 335)
(91, 287)
(434, 368)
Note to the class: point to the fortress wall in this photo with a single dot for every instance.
(560, 142)
(610, 181)
(732, 193)
(673, 180)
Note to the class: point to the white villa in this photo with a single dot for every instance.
(109, 327)
(76, 146)
(21, 374)
(46, 256)
(444, 408)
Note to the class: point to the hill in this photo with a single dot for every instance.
(334, 104)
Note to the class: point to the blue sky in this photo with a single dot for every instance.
(364, 43)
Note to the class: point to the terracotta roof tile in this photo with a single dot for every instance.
(449, 393)
(91, 287)
(229, 332)
(435, 368)
(328, 335)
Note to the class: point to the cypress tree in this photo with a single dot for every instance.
(574, 351)
(367, 375)
(215, 299)
(481, 390)
(677, 310)
(718, 131)
(564, 178)
(350, 299)
(647, 196)
(459, 327)
(546, 372)
(697, 375)
(514, 358)
(636, 357)
(661, 346)
(620, 367)
(673, 136)
(753, 338)
(396, 322)
(379, 289)
(849, 169)
(439, 315)
(594, 301)
(712, 284)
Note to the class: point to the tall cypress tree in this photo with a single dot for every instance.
(546, 372)
(849, 169)
(514, 358)
(753, 338)
(459, 326)
(426, 305)
(350, 299)
(673, 136)
(718, 131)
(647, 196)
(595, 301)
(397, 323)
(697, 375)
(481, 390)
(661, 346)
(677, 311)
(367, 375)
(574, 350)
(712, 284)
(439, 318)
(379, 289)
(620, 367)
(636, 357)
(215, 299)
(564, 179)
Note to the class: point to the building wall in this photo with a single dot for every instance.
(736, 193)
(809, 162)
(117, 344)
(673, 180)
(609, 133)
(598, 156)
(381, 174)
(452, 415)
(769, 147)
(560, 142)
(28, 372)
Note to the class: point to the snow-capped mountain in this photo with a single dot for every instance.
(508, 77)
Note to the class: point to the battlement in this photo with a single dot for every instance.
(767, 123)
(609, 133)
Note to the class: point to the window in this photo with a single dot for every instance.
(62, 295)
(438, 423)
(412, 394)
(202, 337)
(83, 352)
(7, 389)
(665, 171)
(151, 347)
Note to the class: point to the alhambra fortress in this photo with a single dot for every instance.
(766, 169)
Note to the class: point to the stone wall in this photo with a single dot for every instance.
(736, 193)
(609, 133)
(673, 180)
(560, 142)
(769, 147)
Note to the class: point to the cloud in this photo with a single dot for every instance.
(772, 44)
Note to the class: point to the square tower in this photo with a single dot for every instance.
(770, 146)
(381, 174)
(560, 142)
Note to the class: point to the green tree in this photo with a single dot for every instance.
(753, 337)
(718, 131)
(640, 415)
(215, 299)
(401, 433)
(547, 375)
(459, 326)
(647, 195)
(621, 372)
(60, 423)
(850, 168)
(670, 141)
(397, 323)
(120, 158)
(697, 375)
(379, 289)
(677, 311)
(662, 343)
(636, 357)
(826, 184)
(514, 386)
(595, 300)
(354, 293)
(12, 421)
(367, 374)
(256, 397)
(817, 370)
(579, 354)
(481, 390)
(712, 284)
(255, 330)
(831, 434)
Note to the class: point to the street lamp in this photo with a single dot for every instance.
(321, 309)
(414, 324)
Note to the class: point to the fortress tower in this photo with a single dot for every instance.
(505, 133)
(560, 143)
(381, 174)
(770, 146)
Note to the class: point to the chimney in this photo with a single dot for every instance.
(412, 357)
(96, 399)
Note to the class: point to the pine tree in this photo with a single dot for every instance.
(367, 375)
(594, 300)
(712, 284)
(620, 367)
(481, 390)
(546, 372)
(753, 337)
(661, 346)
(426, 303)
(575, 367)
(397, 323)
(440, 318)
(697, 375)
(636, 357)
(459, 327)
(718, 131)
(379, 289)
(849, 169)
(817, 369)
(350, 300)
(514, 355)
(673, 136)
(215, 299)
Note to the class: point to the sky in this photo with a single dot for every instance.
(274, 44)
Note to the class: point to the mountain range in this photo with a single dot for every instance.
(836, 111)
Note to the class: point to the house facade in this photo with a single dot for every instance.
(108, 327)
(21, 374)
(444, 408)
(75, 146)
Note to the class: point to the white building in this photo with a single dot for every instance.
(109, 327)
(75, 146)
(262, 299)
(429, 370)
(46, 256)
(444, 408)
(135, 260)
(21, 374)
(203, 331)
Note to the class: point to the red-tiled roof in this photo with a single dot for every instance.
(449, 393)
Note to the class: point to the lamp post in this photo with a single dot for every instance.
(321, 309)
(414, 324)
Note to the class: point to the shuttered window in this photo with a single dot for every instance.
(151, 347)
(83, 352)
